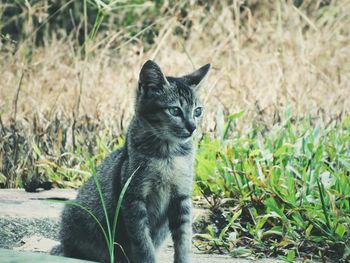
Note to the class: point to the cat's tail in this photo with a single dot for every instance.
(57, 250)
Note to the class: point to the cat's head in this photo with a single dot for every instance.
(169, 105)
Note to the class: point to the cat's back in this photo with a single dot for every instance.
(105, 174)
(88, 195)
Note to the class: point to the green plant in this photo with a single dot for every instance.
(291, 183)
(110, 229)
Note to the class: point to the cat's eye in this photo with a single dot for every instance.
(198, 112)
(175, 111)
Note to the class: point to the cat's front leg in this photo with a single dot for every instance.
(180, 224)
(136, 222)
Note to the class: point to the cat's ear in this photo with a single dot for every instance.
(195, 78)
(151, 77)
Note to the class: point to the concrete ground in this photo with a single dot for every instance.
(30, 222)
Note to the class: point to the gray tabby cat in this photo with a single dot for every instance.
(159, 148)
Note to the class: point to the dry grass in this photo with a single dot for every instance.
(262, 60)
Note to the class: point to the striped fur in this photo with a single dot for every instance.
(158, 200)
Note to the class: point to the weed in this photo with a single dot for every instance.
(286, 189)
(110, 229)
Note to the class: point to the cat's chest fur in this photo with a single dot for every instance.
(166, 178)
(174, 174)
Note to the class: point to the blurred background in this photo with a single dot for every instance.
(83, 57)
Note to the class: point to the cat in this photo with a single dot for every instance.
(159, 153)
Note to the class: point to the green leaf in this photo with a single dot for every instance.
(290, 255)
(283, 149)
(276, 230)
(272, 205)
(340, 230)
(254, 153)
(211, 231)
(308, 230)
(232, 220)
(230, 119)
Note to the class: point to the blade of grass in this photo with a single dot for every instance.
(121, 196)
(104, 207)
(321, 191)
(72, 203)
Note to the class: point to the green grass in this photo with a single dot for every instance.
(278, 191)
(110, 229)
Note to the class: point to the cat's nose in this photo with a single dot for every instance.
(191, 126)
